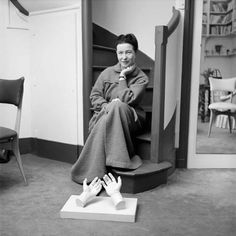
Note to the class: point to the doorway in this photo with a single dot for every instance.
(197, 157)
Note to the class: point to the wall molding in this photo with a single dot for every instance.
(55, 10)
(50, 149)
(19, 7)
(17, 20)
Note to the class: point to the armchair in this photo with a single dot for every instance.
(222, 105)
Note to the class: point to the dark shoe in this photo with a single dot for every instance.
(4, 156)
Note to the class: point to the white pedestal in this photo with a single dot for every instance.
(100, 208)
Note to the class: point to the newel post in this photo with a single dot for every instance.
(161, 36)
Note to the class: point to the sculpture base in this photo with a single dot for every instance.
(100, 208)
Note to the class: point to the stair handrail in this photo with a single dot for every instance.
(19, 7)
(174, 21)
(162, 33)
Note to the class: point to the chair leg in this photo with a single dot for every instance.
(16, 151)
(212, 118)
(230, 124)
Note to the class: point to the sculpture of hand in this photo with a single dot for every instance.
(89, 191)
(110, 184)
(93, 188)
(113, 190)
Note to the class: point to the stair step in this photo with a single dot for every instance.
(95, 46)
(147, 108)
(104, 56)
(142, 144)
(145, 69)
(145, 136)
(99, 68)
(146, 177)
(149, 87)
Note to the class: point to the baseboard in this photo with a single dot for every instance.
(180, 162)
(26, 145)
(50, 149)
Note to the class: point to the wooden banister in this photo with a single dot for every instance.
(157, 127)
(19, 7)
(174, 21)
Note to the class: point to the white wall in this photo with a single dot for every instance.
(45, 48)
(226, 64)
(15, 63)
(133, 16)
(56, 70)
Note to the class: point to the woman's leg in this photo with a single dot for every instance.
(120, 127)
(91, 162)
(109, 143)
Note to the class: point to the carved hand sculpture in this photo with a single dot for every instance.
(113, 190)
(89, 191)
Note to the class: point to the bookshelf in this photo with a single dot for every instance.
(219, 28)
(219, 18)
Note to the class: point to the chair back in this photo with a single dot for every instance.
(227, 85)
(11, 92)
(221, 87)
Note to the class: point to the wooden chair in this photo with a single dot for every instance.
(11, 92)
(222, 105)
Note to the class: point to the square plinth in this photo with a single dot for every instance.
(100, 208)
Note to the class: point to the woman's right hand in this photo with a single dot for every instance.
(127, 70)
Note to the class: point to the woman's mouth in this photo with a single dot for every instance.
(125, 63)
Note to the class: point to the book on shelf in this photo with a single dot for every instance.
(219, 6)
(230, 6)
(220, 30)
(204, 19)
(205, 6)
(204, 30)
(221, 19)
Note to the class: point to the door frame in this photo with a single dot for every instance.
(87, 45)
(182, 151)
(201, 160)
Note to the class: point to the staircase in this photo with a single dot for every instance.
(150, 174)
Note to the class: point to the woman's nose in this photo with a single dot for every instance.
(124, 56)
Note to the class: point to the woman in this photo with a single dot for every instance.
(115, 100)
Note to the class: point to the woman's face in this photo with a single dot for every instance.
(125, 54)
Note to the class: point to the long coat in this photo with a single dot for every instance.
(117, 117)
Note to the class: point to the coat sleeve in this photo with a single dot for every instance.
(132, 94)
(97, 94)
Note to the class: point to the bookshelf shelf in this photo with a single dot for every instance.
(221, 12)
(221, 55)
(219, 17)
(219, 28)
